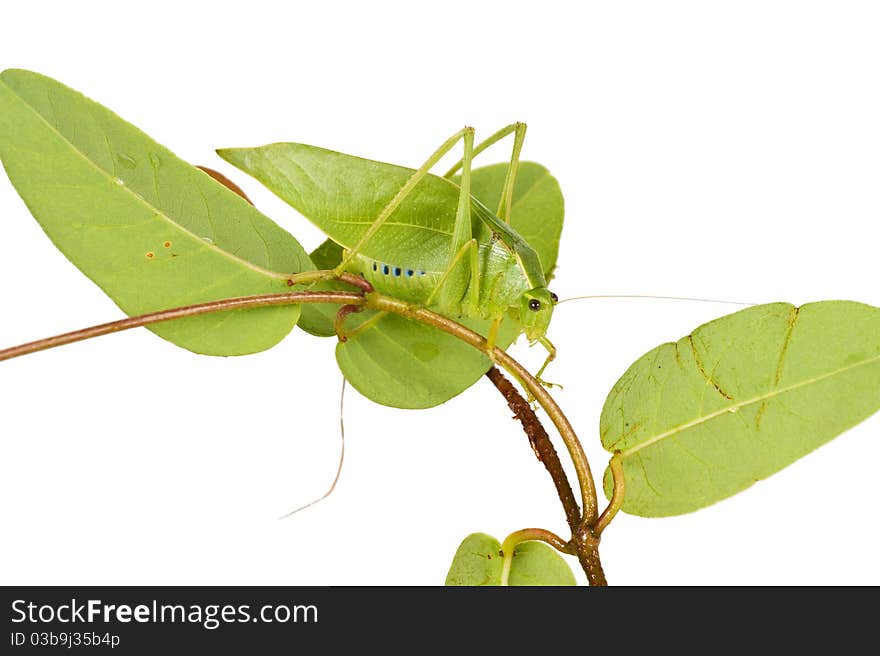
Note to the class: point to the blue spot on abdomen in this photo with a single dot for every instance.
(388, 269)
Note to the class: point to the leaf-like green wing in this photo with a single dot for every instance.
(538, 208)
(152, 231)
(478, 562)
(739, 399)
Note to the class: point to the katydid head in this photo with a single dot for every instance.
(535, 311)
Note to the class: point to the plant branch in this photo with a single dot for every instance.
(541, 444)
(587, 554)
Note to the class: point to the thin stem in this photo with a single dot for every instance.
(226, 304)
(617, 495)
(527, 535)
(341, 459)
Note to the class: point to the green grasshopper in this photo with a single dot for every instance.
(476, 265)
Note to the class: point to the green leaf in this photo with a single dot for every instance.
(479, 562)
(739, 399)
(535, 563)
(152, 231)
(404, 364)
(537, 210)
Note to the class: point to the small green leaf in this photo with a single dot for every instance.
(152, 231)
(739, 399)
(537, 210)
(535, 563)
(477, 561)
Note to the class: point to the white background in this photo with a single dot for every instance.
(724, 150)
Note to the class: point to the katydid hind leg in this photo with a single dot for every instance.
(462, 231)
(489, 141)
(401, 195)
(460, 273)
(453, 283)
(506, 202)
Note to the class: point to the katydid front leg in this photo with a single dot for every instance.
(551, 355)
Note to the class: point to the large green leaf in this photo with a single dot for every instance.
(739, 399)
(537, 210)
(478, 562)
(152, 231)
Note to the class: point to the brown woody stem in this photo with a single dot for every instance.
(586, 552)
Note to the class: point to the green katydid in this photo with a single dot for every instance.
(470, 263)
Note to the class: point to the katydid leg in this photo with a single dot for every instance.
(551, 355)
(519, 135)
(492, 337)
(399, 197)
(506, 202)
(444, 293)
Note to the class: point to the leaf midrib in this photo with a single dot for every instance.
(158, 212)
(733, 407)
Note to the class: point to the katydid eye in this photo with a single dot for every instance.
(554, 298)
(534, 305)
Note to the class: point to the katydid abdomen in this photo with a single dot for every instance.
(500, 282)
